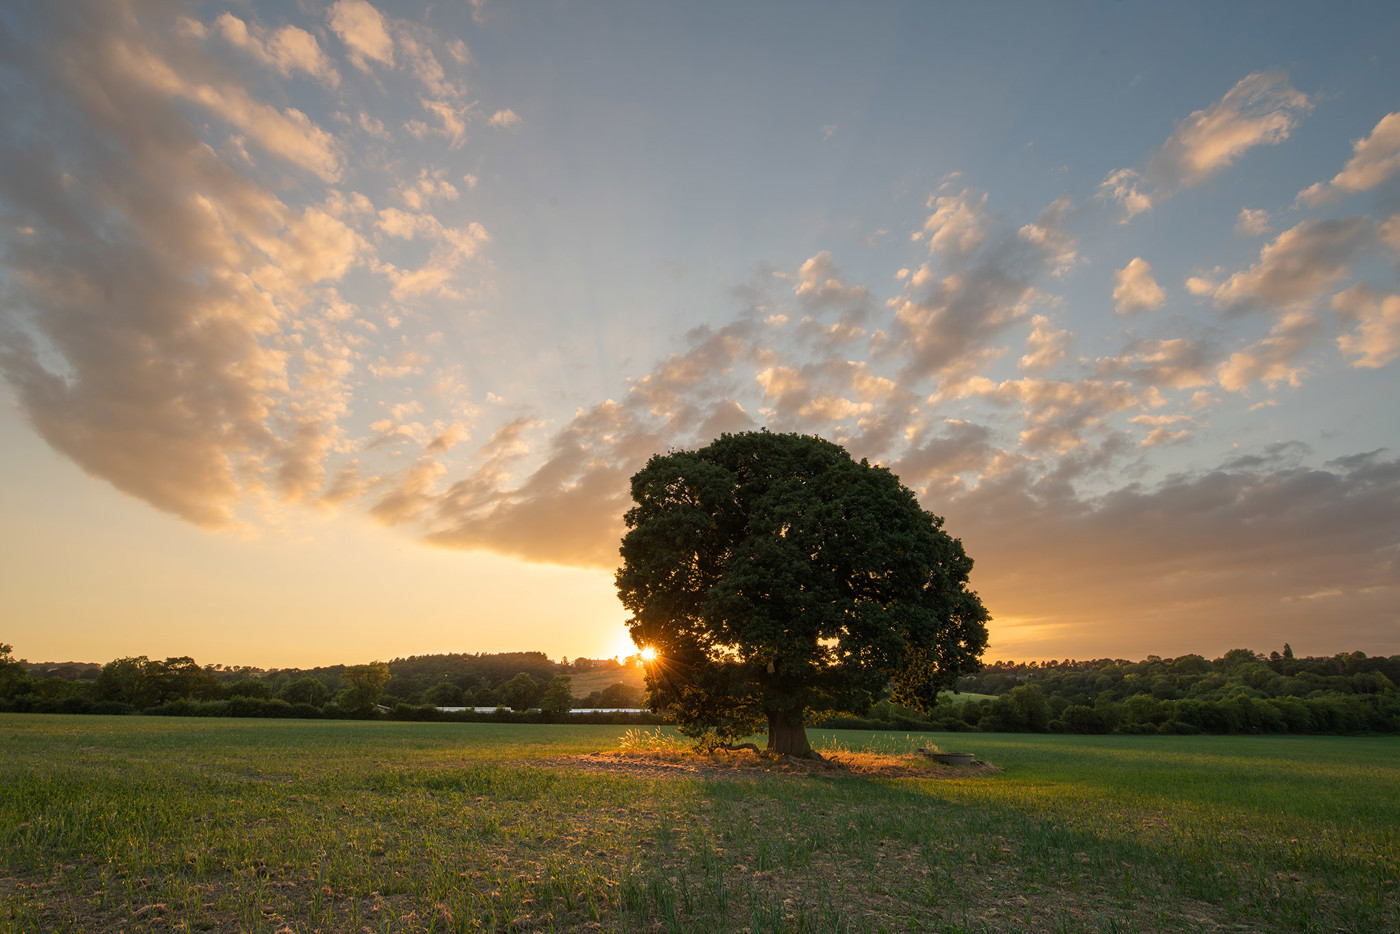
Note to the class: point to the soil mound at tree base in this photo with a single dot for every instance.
(657, 763)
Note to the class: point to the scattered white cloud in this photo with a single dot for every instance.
(505, 119)
(1135, 290)
(1048, 233)
(1275, 359)
(957, 224)
(1122, 186)
(1374, 159)
(1262, 109)
(362, 28)
(1175, 363)
(1252, 222)
(1045, 347)
(288, 50)
(288, 133)
(454, 124)
(1374, 340)
(1300, 264)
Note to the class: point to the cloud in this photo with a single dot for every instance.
(413, 42)
(1044, 347)
(568, 510)
(1230, 552)
(1048, 233)
(1375, 338)
(1262, 109)
(983, 284)
(1058, 413)
(505, 119)
(835, 313)
(454, 127)
(1135, 290)
(170, 324)
(1275, 359)
(1174, 363)
(362, 28)
(1297, 266)
(412, 495)
(287, 133)
(430, 185)
(957, 224)
(288, 50)
(1252, 223)
(1165, 429)
(1122, 186)
(1389, 233)
(451, 249)
(1374, 159)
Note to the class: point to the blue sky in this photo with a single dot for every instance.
(335, 331)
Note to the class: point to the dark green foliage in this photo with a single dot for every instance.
(363, 686)
(307, 690)
(14, 680)
(445, 694)
(775, 575)
(1240, 692)
(557, 698)
(249, 687)
(521, 692)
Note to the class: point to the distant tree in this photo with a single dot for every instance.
(363, 686)
(14, 679)
(1081, 718)
(1032, 709)
(307, 690)
(445, 694)
(520, 692)
(250, 687)
(181, 677)
(558, 697)
(773, 575)
(128, 681)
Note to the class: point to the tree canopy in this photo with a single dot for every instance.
(774, 575)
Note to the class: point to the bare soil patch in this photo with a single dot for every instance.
(675, 763)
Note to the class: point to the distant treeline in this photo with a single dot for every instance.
(1240, 692)
(408, 688)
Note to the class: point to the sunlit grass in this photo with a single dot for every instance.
(136, 824)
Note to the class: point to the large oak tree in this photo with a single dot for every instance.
(774, 575)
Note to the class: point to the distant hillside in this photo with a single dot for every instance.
(584, 683)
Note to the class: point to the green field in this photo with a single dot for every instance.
(135, 824)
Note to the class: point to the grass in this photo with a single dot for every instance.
(138, 824)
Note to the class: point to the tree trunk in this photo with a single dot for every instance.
(789, 737)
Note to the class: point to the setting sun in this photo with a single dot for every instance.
(648, 654)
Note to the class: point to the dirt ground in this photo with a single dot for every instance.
(663, 763)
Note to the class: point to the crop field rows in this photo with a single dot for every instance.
(136, 824)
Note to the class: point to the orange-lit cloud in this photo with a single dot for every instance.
(1375, 158)
(1262, 109)
(1135, 290)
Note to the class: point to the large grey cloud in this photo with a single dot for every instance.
(149, 285)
